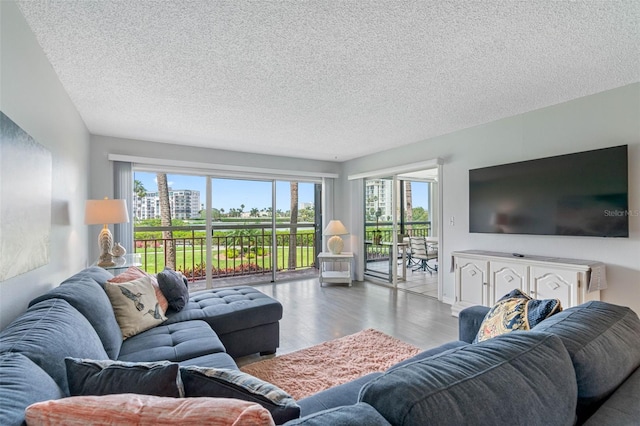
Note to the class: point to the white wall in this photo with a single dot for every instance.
(102, 168)
(33, 98)
(605, 119)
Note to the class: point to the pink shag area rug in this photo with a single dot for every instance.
(307, 371)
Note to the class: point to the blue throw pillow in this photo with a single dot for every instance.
(224, 383)
(106, 377)
(515, 311)
(174, 288)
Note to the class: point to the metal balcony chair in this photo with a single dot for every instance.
(421, 253)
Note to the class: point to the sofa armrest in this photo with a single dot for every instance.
(469, 321)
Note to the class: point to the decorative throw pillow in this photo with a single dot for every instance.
(515, 311)
(104, 377)
(135, 305)
(225, 383)
(174, 288)
(146, 410)
(133, 273)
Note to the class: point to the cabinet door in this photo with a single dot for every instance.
(505, 277)
(554, 283)
(471, 280)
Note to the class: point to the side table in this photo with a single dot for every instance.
(335, 275)
(123, 262)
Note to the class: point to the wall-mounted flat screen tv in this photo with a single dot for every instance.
(582, 194)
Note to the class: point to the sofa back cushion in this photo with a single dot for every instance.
(22, 383)
(603, 341)
(510, 378)
(84, 292)
(48, 332)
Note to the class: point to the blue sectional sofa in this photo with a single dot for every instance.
(580, 366)
(76, 320)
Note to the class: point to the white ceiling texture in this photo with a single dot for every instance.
(329, 80)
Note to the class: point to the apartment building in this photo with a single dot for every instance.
(185, 204)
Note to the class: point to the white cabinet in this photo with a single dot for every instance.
(471, 279)
(504, 277)
(483, 277)
(555, 283)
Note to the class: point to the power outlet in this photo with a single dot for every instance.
(452, 221)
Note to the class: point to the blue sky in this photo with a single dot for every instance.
(231, 193)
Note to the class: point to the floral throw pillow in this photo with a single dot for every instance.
(515, 311)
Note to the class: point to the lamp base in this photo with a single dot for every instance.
(105, 242)
(335, 244)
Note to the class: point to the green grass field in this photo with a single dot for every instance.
(153, 262)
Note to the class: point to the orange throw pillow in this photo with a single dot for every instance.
(142, 410)
(133, 273)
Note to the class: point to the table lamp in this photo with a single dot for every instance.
(105, 212)
(335, 228)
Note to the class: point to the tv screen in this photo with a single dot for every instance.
(582, 194)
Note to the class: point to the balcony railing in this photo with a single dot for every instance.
(385, 229)
(245, 249)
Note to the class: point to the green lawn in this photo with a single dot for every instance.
(153, 262)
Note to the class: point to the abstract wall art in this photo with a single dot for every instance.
(25, 201)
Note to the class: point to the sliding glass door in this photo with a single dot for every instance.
(222, 231)
(396, 208)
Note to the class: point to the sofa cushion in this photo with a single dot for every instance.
(602, 340)
(622, 408)
(48, 332)
(515, 311)
(227, 310)
(135, 305)
(104, 377)
(146, 410)
(174, 288)
(336, 396)
(216, 360)
(84, 293)
(223, 383)
(23, 383)
(133, 273)
(519, 375)
(429, 353)
(173, 342)
(350, 415)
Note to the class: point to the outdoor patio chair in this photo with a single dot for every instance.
(421, 253)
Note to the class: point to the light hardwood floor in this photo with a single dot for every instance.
(314, 314)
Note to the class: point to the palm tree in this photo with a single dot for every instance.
(254, 212)
(293, 233)
(139, 189)
(165, 220)
(408, 206)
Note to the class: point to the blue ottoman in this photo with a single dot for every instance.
(245, 319)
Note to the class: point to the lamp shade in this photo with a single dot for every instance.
(101, 212)
(335, 227)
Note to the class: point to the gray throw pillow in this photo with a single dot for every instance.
(225, 383)
(106, 377)
(174, 288)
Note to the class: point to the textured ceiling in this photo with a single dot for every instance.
(330, 80)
